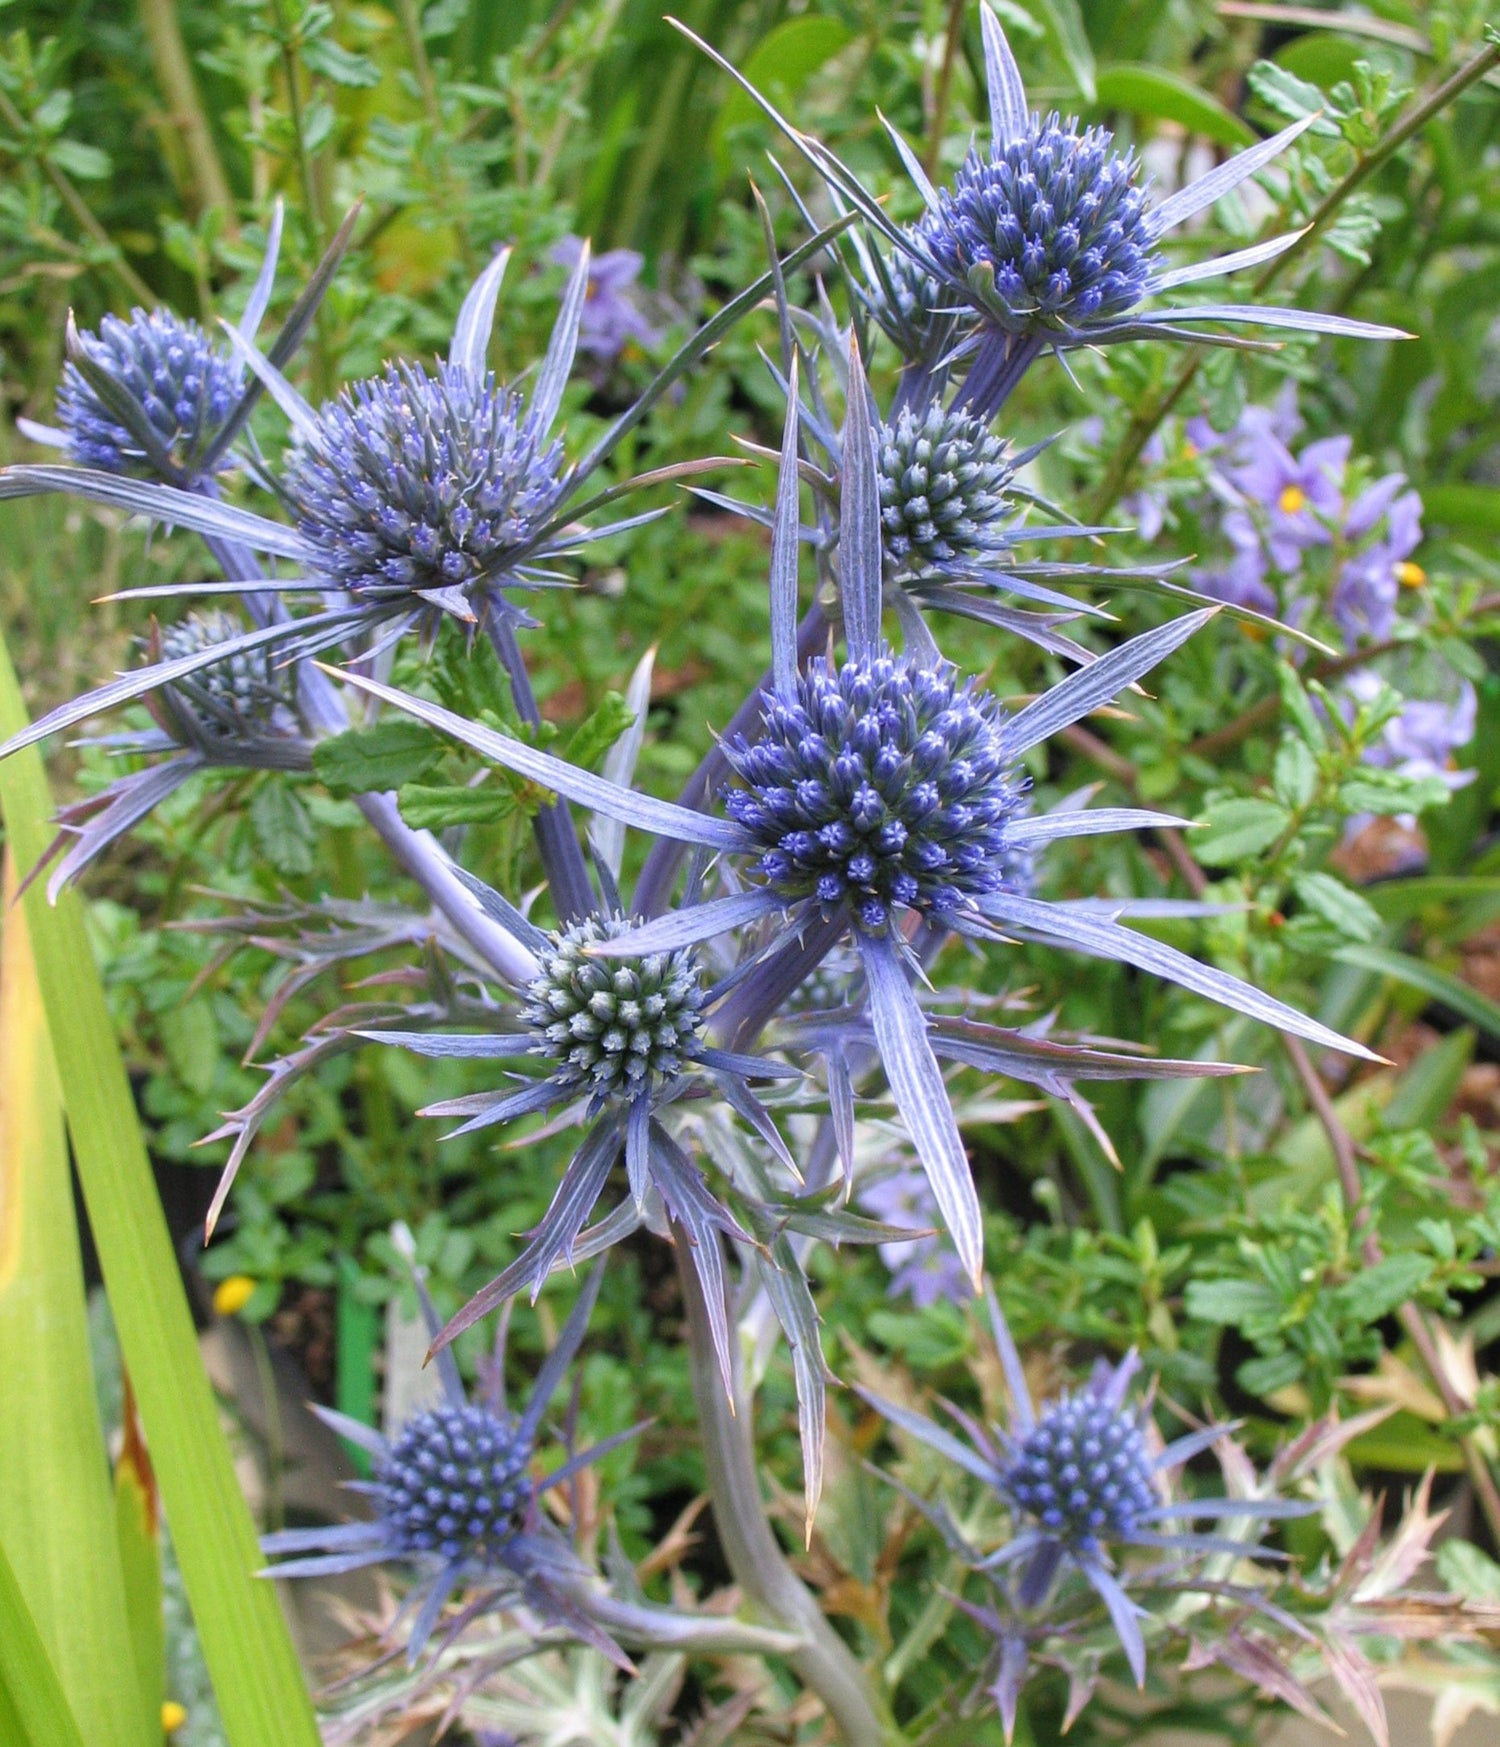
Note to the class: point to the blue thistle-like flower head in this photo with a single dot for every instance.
(615, 1026)
(424, 485)
(1083, 1473)
(881, 785)
(1048, 230)
(943, 480)
(233, 697)
(906, 301)
(454, 1484)
(185, 386)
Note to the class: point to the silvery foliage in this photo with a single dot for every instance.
(867, 803)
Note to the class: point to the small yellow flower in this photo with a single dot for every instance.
(1190, 449)
(173, 1715)
(1292, 499)
(1411, 575)
(232, 1295)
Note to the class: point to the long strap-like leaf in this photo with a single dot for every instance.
(262, 1695)
(57, 1518)
(33, 1711)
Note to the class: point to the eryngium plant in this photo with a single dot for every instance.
(866, 805)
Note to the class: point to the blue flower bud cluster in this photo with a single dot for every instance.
(454, 1484)
(615, 1026)
(238, 693)
(184, 384)
(943, 479)
(1083, 1472)
(882, 784)
(418, 482)
(910, 309)
(1056, 217)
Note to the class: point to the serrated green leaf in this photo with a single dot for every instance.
(258, 1683)
(283, 832)
(1338, 905)
(1236, 829)
(1164, 96)
(1292, 97)
(434, 808)
(1382, 1287)
(371, 761)
(594, 736)
(1388, 792)
(1470, 1572)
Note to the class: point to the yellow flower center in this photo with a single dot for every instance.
(1190, 449)
(232, 1295)
(1410, 575)
(173, 1716)
(1292, 499)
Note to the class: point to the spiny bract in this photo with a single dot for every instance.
(942, 486)
(1047, 232)
(184, 384)
(418, 483)
(1083, 1472)
(615, 1026)
(882, 784)
(454, 1483)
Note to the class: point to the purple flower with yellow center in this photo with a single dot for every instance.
(1300, 498)
(453, 1495)
(1083, 1488)
(1369, 583)
(879, 795)
(922, 1266)
(610, 319)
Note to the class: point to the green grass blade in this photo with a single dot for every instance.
(1441, 985)
(33, 1711)
(56, 1513)
(261, 1693)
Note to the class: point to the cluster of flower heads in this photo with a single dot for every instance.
(615, 1027)
(233, 697)
(882, 786)
(1084, 1489)
(418, 483)
(943, 487)
(184, 385)
(1046, 230)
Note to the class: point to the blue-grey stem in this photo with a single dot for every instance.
(653, 890)
(418, 853)
(1002, 360)
(745, 1012)
(823, 1661)
(556, 840)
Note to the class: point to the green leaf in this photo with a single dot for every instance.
(432, 808)
(370, 761)
(1062, 23)
(1389, 792)
(340, 65)
(283, 831)
(33, 1710)
(1229, 1302)
(139, 1542)
(1382, 1287)
(1292, 97)
(1475, 508)
(779, 66)
(595, 735)
(87, 163)
(1163, 96)
(261, 1694)
(1468, 1571)
(1338, 905)
(1416, 973)
(1295, 773)
(57, 1517)
(1237, 829)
